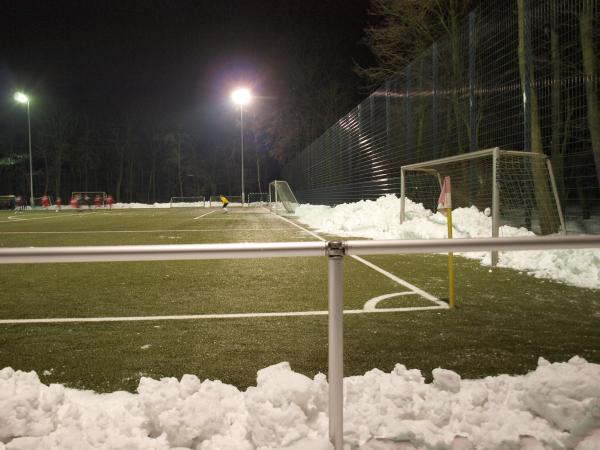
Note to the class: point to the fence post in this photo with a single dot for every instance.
(435, 100)
(335, 252)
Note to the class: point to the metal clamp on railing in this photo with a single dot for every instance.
(336, 248)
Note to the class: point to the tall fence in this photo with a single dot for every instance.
(519, 78)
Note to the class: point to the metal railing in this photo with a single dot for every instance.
(334, 251)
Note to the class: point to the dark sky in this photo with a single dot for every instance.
(178, 57)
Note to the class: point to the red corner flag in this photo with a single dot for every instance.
(445, 199)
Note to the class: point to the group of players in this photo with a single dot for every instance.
(78, 202)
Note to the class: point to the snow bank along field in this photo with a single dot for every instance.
(515, 366)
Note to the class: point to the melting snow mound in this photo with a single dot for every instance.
(557, 406)
(380, 219)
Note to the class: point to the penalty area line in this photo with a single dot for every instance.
(384, 272)
(205, 214)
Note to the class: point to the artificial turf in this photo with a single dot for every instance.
(504, 320)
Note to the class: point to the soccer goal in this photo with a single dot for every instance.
(198, 201)
(234, 200)
(516, 188)
(8, 202)
(37, 201)
(281, 197)
(258, 198)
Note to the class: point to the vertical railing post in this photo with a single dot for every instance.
(402, 195)
(495, 203)
(336, 344)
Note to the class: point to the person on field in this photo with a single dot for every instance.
(109, 201)
(20, 203)
(225, 202)
(45, 202)
(58, 204)
(75, 203)
(97, 202)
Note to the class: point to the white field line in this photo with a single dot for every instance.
(12, 219)
(209, 316)
(205, 214)
(389, 275)
(212, 230)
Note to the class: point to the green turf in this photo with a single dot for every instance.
(503, 322)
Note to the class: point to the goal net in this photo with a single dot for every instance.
(39, 202)
(282, 198)
(516, 188)
(187, 202)
(258, 198)
(234, 200)
(8, 202)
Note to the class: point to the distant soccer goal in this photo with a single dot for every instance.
(8, 202)
(198, 201)
(258, 198)
(281, 197)
(234, 200)
(38, 201)
(516, 188)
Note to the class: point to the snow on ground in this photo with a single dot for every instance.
(557, 406)
(380, 219)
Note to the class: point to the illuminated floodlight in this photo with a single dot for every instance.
(21, 98)
(241, 96)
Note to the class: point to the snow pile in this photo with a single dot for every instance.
(140, 205)
(380, 219)
(557, 406)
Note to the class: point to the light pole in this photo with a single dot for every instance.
(242, 96)
(22, 98)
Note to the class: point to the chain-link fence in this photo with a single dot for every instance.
(516, 74)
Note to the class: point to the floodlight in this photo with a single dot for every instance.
(21, 98)
(241, 96)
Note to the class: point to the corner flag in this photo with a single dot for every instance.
(445, 199)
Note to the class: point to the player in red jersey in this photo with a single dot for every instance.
(45, 202)
(97, 202)
(109, 201)
(58, 204)
(74, 203)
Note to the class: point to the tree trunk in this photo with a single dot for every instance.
(591, 79)
(545, 207)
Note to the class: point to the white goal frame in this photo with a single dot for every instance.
(188, 202)
(496, 153)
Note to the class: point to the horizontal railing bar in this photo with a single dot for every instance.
(16, 255)
(388, 247)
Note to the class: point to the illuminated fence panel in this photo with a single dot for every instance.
(467, 93)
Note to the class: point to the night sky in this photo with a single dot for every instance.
(161, 58)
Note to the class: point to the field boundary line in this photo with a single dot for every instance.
(209, 316)
(143, 231)
(384, 272)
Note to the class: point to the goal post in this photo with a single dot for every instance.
(508, 182)
(281, 197)
(197, 201)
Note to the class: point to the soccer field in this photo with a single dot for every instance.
(104, 325)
